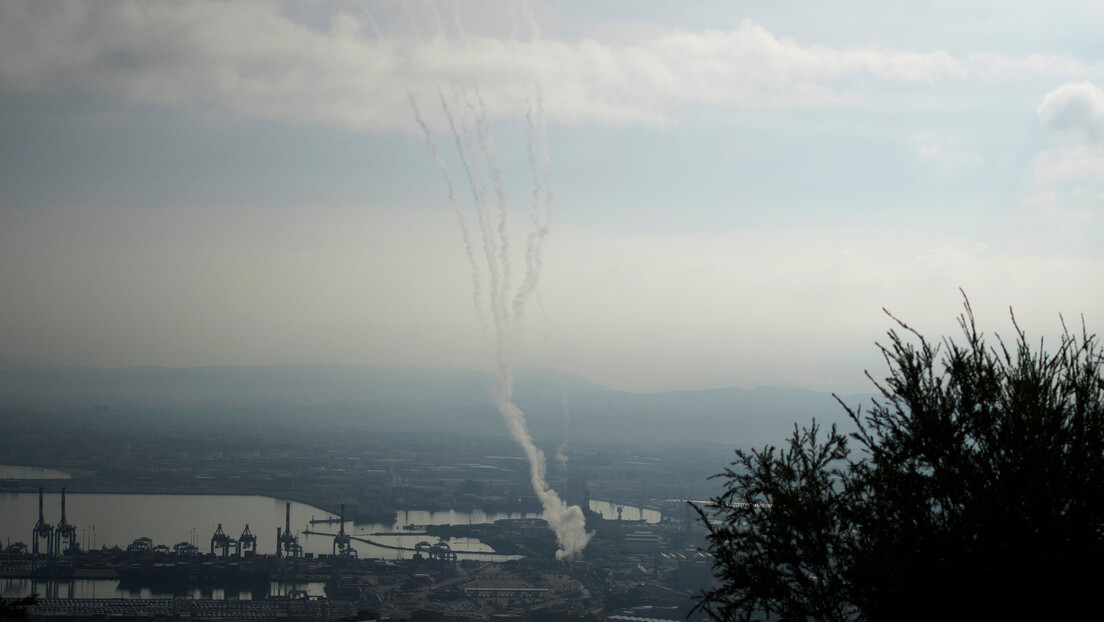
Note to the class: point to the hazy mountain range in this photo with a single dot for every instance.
(442, 399)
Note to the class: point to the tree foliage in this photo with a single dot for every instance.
(17, 610)
(975, 489)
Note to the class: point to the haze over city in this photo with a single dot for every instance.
(739, 189)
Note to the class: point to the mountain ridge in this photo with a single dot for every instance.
(449, 399)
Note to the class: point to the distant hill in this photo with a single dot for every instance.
(417, 399)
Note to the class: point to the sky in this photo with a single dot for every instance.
(738, 190)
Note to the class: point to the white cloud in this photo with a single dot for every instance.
(1075, 108)
(987, 63)
(946, 149)
(249, 58)
(1066, 164)
(1069, 185)
(1048, 207)
(1069, 178)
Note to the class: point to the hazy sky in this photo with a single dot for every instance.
(740, 187)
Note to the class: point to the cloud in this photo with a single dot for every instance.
(1048, 207)
(241, 57)
(1069, 178)
(1075, 108)
(255, 59)
(946, 150)
(1067, 164)
(987, 63)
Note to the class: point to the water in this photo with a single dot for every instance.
(109, 588)
(608, 510)
(119, 519)
(10, 471)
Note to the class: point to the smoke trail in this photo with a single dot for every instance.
(527, 11)
(458, 24)
(413, 21)
(542, 145)
(434, 17)
(487, 144)
(566, 521)
(371, 22)
(561, 451)
(531, 132)
(477, 296)
(462, 137)
(541, 215)
(540, 225)
(489, 153)
(467, 121)
(515, 22)
(491, 244)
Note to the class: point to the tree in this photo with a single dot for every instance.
(18, 609)
(976, 490)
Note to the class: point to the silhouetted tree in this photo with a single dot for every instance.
(976, 491)
(18, 609)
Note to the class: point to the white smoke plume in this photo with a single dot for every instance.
(561, 456)
(568, 522)
(487, 142)
(466, 114)
(541, 214)
(461, 219)
(561, 451)
(434, 17)
(462, 136)
(527, 10)
(458, 23)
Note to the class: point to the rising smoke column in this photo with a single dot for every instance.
(508, 311)
(567, 521)
(466, 113)
(561, 451)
